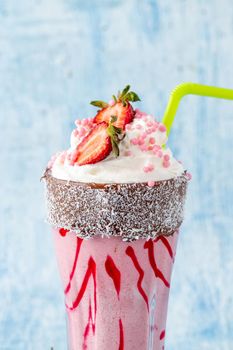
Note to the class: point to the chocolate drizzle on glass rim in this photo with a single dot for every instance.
(127, 210)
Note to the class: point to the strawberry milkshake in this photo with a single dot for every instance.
(115, 200)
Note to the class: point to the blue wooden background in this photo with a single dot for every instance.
(57, 55)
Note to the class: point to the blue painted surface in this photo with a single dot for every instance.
(57, 55)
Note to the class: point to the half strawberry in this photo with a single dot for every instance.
(120, 108)
(98, 144)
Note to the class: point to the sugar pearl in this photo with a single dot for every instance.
(75, 132)
(162, 128)
(82, 132)
(159, 154)
(151, 183)
(77, 122)
(134, 141)
(144, 135)
(143, 148)
(152, 140)
(166, 157)
(166, 164)
(141, 141)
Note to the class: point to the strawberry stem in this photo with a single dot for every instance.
(114, 133)
(123, 96)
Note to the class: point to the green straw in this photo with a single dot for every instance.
(191, 89)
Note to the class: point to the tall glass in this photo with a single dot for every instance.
(115, 246)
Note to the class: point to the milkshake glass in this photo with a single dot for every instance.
(115, 230)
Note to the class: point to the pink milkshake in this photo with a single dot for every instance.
(116, 293)
(115, 201)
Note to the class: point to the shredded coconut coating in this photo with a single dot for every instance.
(130, 210)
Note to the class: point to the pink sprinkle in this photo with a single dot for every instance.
(143, 148)
(150, 148)
(111, 103)
(148, 168)
(141, 141)
(188, 176)
(151, 183)
(159, 154)
(77, 122)
(150, 123)
(144, 135)
(85, 122)
(152, 140)
(156, 148)
(166, 157)
(82, 132)
(162, 128)
(166, 164)
(75, 132)
(155, 128)
(138, 126)
(138, 116)
(134, 141)
(91, 120)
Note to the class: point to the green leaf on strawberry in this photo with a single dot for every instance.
(100, 104)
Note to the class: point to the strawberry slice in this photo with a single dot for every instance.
(124, 114)
(95, 146)
(119, 108)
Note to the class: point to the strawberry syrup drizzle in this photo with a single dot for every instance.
(79, 243)
(167, 245)
(91, 270)
(121, 345)
(114, 273)
(149, 245)
(63, 232)
(90, 325)
(130, 252)
(162, 335)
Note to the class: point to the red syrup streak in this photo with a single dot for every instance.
(166, 243)
(79, 242)
(114, 273)
(63, 232)
(121, 345)
(149, 245)
(130, 252)
(90, 324)
(91, 270)
(162, 335)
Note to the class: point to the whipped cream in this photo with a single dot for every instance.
(143, 157)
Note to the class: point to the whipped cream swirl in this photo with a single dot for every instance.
(143, 157)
